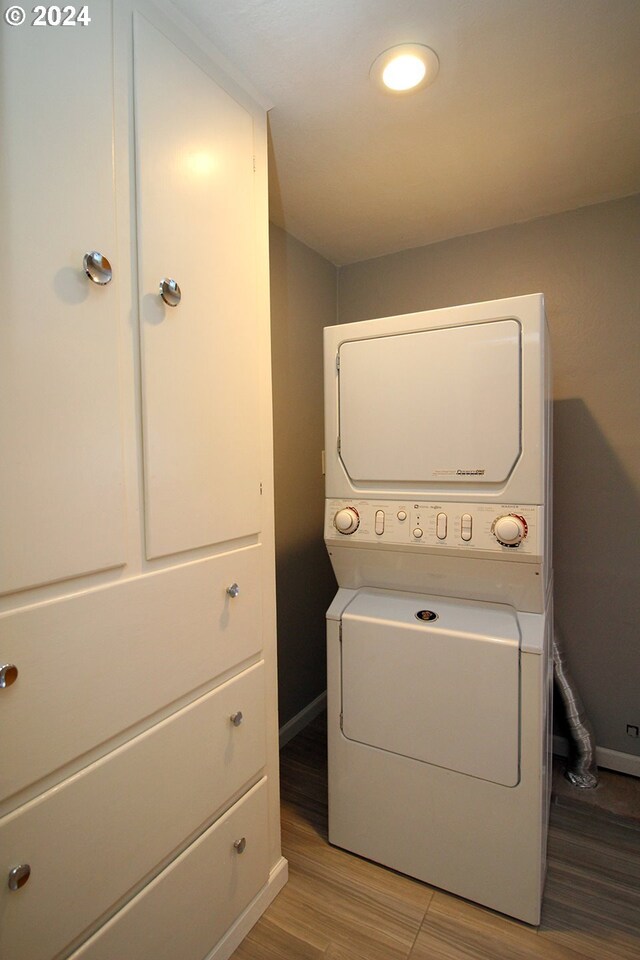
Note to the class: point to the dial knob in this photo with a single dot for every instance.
(510, 530)
(347, 520)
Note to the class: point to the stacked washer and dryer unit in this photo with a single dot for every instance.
(438, 525)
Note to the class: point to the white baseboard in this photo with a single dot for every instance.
(615, 760)
(609, 759)
(301, 719)
(236, 934)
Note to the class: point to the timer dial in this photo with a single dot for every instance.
(510, 530)
(347, 520)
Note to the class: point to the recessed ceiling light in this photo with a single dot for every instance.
(405, 68)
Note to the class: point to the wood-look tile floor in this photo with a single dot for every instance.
(337, 906)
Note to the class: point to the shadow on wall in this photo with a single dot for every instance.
(597, 573)
(306, 586)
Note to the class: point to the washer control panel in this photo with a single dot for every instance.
(509, 529)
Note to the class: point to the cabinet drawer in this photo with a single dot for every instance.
(93, 665)
(92, 839)
(187, 908)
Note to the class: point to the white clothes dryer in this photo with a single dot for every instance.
(438, 526)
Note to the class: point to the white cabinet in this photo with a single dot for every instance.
(137, 619)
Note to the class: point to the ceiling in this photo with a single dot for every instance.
(535, 110)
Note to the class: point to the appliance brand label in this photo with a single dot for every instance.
(459, 473)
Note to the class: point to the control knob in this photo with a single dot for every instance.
(510, 530)
(347, 521)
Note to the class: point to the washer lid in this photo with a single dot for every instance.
(437, 406)
(444, 691)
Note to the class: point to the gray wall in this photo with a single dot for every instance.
(587, 263)
(303, 301)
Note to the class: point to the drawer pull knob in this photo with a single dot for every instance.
(240, 844)
(97, 268)
(8, 675)
(233, 590)
(19, 876)
(236, 718)
(170, 292)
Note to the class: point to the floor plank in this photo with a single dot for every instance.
(455, 929)
(337, 906)
(268, 941)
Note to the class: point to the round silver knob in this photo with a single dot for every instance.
(170, 292)
(8, 675)
(19, 876)
(240, 845)
(510, 530)
(97, 268)
(236, 718)
(233, 590)
(347, 520)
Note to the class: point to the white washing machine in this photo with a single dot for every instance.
(438, 526)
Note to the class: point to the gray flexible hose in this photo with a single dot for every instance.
(581, 765)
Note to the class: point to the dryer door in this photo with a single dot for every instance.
(432, 406)
(442, 691)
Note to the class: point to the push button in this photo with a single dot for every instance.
(441, 526)
(466, 526)
(417, 533)
(379, 527)
(402, 515)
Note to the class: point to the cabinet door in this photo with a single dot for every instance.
(196, 225)
(61, 497)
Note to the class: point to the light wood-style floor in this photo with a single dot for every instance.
(337, 906)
